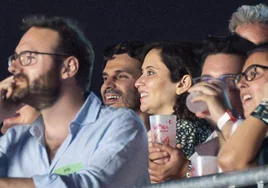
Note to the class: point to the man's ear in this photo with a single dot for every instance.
(70, 67)
(184, 84)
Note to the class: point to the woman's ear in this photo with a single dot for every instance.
(70, 67)
(184, 84)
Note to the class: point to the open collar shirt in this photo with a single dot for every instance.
(106, 147)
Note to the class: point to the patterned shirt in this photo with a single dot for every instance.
(190, 134)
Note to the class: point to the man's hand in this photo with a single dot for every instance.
(24, 115)
(7, 107)
(6, 87)
(174, 168)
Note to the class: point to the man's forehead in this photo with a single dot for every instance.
(223, 56)
(252, 26)
(254, 32)
(123, 65)
(117, 70)
(124, 59)
(221, 64)
(40, 39)
(223, 60)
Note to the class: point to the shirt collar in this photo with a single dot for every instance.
(89, 111)
(86, 115)
(37, 129)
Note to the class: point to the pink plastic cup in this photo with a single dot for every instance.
(163, 129)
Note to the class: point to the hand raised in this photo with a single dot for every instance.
(213, 95)
(8, 108)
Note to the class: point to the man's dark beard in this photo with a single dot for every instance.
(42, 93)
(133, 102)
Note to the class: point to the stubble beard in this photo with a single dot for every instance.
(42, 93)
(132, 102)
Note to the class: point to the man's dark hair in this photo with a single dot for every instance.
(180, 60)
(72, 42)
(134, 49)
(232, 44)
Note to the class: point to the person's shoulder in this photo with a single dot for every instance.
(196, 122)
(109, 116)
(196, 125)
(123, 120)
(94, 103)
(114, 121)
(120, 114)
(186, 122)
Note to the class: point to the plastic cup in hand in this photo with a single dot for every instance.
(198, 106)
(201, 106)
(163, 129)
(205, 165)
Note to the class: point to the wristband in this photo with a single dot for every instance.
(231, 115)
(228, 115)
(261, 112)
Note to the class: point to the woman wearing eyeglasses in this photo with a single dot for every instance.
(248, 146)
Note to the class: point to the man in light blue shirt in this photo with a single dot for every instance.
(73, 143)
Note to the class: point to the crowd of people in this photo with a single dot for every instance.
(57, 133)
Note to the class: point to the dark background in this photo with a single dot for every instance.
(111, 21)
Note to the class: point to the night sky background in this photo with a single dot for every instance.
(107, 22)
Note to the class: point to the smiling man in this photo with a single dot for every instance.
(122, 69)
(75, 142)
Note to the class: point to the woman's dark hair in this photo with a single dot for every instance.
(72, 42)
(180, 60)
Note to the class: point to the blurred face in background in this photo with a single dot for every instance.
(225, 66)
(254, 32)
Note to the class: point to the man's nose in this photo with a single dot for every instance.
(14, 67)
(110, 82)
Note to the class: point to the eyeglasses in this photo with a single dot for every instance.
(28, 57)
(228, 79)
(251, 73)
